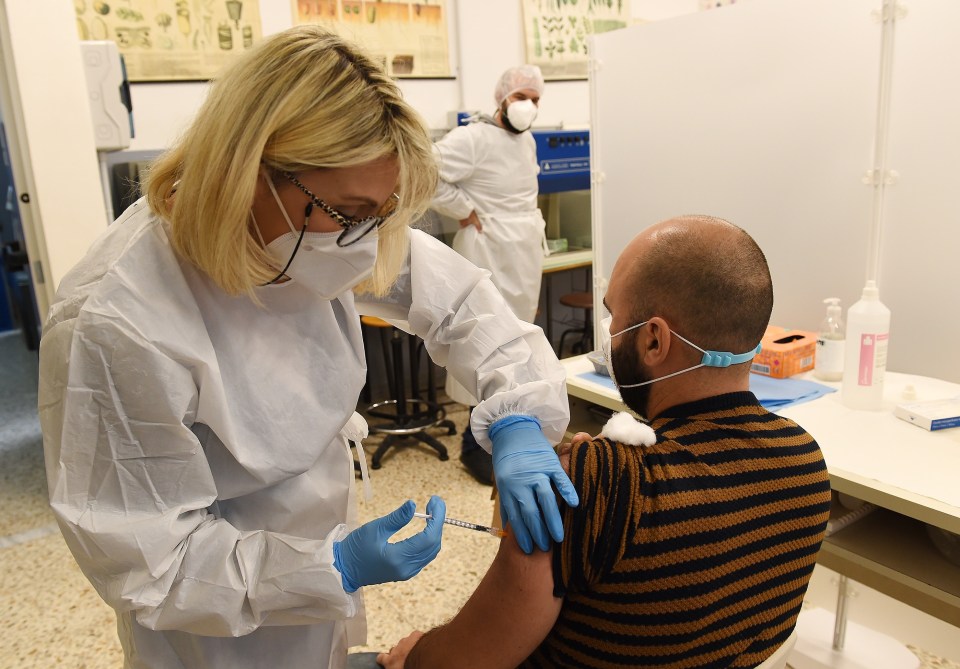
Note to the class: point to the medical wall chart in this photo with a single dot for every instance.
(165, 40)
(556, 32)
(409, 38)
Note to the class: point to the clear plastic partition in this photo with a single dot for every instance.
(761, 113)
(919, 279)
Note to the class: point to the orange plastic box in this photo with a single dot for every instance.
(785, 352)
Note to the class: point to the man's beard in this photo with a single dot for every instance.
(505, 120)
(629, 369)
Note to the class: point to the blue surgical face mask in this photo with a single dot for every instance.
(709, 359)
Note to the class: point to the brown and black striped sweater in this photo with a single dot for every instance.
(693, 552)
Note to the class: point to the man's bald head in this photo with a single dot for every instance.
(705, 276)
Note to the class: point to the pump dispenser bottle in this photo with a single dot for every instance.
(828, 363)
(865, 353)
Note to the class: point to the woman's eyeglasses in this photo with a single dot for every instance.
(354, 229)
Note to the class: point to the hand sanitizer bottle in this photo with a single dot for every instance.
(865, 354)
(828, 363)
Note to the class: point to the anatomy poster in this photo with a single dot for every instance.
(556, 32)
(409, 38)
(163, 40)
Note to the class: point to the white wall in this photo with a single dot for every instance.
(60, 171)
(486, 37)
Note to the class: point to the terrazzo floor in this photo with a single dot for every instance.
(55, 619)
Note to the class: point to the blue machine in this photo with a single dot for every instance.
(564, 157)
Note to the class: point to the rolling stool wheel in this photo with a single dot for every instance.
(582, 300)
(403, 418)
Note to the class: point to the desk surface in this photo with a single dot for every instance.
(558, 262)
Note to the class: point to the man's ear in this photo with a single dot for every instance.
(654, 342)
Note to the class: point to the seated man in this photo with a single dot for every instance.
(694, 548)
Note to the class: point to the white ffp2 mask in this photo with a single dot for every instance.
(522, 114)
(319, 264)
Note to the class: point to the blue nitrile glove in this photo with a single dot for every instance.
(524, 464)
(366, 557)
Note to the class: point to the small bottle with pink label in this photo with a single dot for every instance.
(865, 355)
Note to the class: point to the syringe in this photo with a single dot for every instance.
(470, 526)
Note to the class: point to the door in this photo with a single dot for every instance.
(18, 305)
(53, 155)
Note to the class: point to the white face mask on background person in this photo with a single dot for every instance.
(319, 264)
(521, 114)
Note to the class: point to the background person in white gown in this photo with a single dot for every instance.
(488, 181)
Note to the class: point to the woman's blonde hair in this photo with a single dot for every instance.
(301, 100)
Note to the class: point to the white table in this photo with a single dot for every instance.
(560, 262)
(912, 475)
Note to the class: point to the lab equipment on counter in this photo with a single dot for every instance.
(785, 352)
(828, 364)
(495, 531)
(462, 117)
(109, 93)
(557, 245)
(865, 352)
(599, 361)
(564, 160)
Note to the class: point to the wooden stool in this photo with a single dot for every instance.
(582, 300)
(402, 417)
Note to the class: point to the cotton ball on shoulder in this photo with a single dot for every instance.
(628, 430)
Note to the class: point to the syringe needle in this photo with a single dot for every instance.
(494, 531)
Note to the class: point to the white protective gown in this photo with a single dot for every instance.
(193, 442)
(492, 171)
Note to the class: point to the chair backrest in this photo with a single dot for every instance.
(779, 658)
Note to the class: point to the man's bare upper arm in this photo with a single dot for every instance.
(507, 617)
